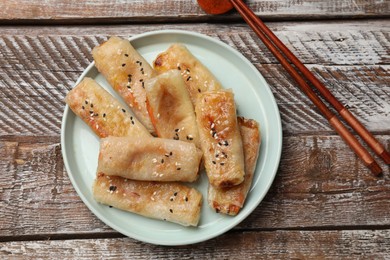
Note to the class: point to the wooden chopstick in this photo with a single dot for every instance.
(272, 43)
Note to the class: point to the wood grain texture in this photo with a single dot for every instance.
(40, 65)
(348, 244)
(320, 183)
(114, 11)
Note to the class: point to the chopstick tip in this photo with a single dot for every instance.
(375, 168)
(385, 156)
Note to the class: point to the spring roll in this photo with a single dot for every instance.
(231, 200)
(196, 76)
(171, 109)
(220, 138)
(102, 112)
(167, 201)
(126, 71)
(149, 159)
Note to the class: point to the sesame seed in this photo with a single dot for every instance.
(104, 114)
(110, 206)
(124, 64)
(222, 163)
(82, 107)
(175, 194)
(189, 78)
(124, 111)
(91, 105)
(177, 130)
(170, 153)
(86, 102)
(213, 162)
(199, 90)
(162, 160)
(178, 169)
(127, 55)
(171, 210)
(112, 188)
(154, 160)
(186, 198)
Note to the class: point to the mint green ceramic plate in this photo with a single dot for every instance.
(254, 99)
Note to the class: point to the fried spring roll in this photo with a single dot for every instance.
(126, 71)
(196, 76)
(149, 159)
(171, 109)
(231, 200)
(168, 201)
(220, 138)
(102, 112)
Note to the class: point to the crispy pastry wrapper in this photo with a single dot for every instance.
(126, 71)
(149, 159)
(231, 200)
(197, 77)
(220, 138)
(102, 112)
(169, 201)
(170, 108)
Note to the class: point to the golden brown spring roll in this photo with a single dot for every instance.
(196, 76)
(231, 200)
(126, 71)
(171, 109)
(168, 201)
(220, 138)
(149, 159)
(102, 112)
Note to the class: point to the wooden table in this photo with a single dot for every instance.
(323, 203)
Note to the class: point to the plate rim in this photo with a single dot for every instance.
(244, 215)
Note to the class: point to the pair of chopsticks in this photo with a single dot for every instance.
(285, 56)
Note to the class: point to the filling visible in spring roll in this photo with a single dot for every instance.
(102, 112)
(126, 71)
(171, 109)
(231, 200)
(167, 201)
(149, 159)
(197, 77)
(220, 138)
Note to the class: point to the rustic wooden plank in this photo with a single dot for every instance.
(38, 70)
(67, 11)
(320, 183)
(347, 244)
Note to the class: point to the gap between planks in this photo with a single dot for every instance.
(113, 234)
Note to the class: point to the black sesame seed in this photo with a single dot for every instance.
(171, 210)
(104, 114)
(178, 67)
(90, 111)
(132, 122)
(222, 163)
(189, 77)
(170, 153)
(162, 160)
(124, 64)
(188, 70)
(199, 90)
(124, 111)
(175, 194)
(112, 188)
(96, 114)
(186, 198)
(171, 199)
(127, 55)
(91, 105)
(86, 102)
(177, 130)
(213, 162)
(226, 143)
(178, 169)
(82, 107)
(110, 206)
